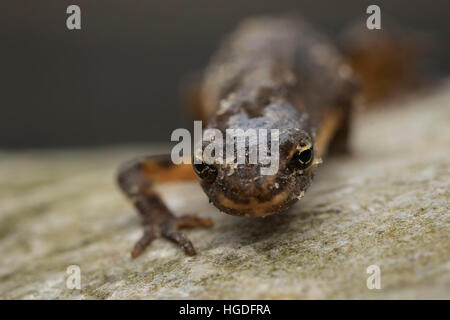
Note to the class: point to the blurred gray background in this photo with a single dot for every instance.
(117, 80)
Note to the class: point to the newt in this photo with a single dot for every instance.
(270, 73)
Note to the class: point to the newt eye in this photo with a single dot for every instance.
(204, 170)
(303, 158)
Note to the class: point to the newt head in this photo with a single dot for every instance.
(243, 189)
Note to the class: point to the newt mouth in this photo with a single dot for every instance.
(255, 207)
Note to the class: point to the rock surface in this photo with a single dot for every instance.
(387, 204)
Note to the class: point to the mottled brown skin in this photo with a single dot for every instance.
(271, 73)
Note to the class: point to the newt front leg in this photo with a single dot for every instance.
(137, 179)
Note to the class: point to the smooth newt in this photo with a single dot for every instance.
(271, 73)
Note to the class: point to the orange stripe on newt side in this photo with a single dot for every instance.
(332, 121)
(168, 172)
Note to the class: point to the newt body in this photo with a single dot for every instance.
(271, 73)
